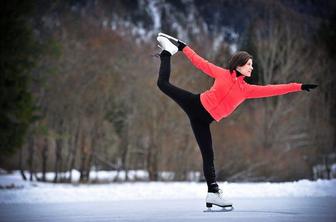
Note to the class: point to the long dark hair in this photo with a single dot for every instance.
(240, 58)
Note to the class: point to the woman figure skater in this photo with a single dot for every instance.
(228, 91)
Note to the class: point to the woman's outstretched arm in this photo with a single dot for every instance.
(258, 91)
(202, 64)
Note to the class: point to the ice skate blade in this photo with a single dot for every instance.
(221, 209)
(225, 208)
(167, 36)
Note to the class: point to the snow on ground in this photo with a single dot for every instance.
(37, 192)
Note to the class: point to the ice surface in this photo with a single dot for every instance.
(299, 209)
(301, 201)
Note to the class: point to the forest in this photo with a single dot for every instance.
(79, 92)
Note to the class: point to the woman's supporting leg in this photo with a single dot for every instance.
(203, 137)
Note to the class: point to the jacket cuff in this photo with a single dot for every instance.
(299, 85)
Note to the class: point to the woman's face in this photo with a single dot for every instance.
(246, 69)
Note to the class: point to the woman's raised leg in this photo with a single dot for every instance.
(180, 96)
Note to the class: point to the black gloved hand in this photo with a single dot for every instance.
(307, 87)
(180, 45)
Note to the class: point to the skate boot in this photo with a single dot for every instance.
(180, 44)
(217, 199)
(165, 44)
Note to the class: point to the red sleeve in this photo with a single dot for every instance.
(257, 91)
(202, 64)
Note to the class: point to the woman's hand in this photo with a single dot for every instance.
(308, 87)
(181, 45)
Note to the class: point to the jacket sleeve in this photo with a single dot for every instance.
(257, 91)
(202, 64)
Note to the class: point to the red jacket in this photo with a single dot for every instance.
(228, 90)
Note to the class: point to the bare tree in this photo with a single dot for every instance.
(282, 123)
(282, 57)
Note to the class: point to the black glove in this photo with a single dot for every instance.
(180, 45)
(307, 87)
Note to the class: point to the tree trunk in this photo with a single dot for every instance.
(90, 158)
(58, 159)
(152, 165)
(74, 147)
(82, 176)
(44, 159)
(85, 160)
(124, 152)
(31, 158)
(23, 175)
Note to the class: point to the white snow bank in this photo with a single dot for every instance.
(36, 192)
(110, 176)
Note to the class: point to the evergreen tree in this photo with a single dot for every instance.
(247, 44)
(18, 52)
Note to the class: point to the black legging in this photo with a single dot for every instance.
(199, 118)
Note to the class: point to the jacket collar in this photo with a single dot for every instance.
(234, 76)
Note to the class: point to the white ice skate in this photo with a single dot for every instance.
(165, 44)
(218, 200)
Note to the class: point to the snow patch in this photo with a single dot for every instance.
(37, 192)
